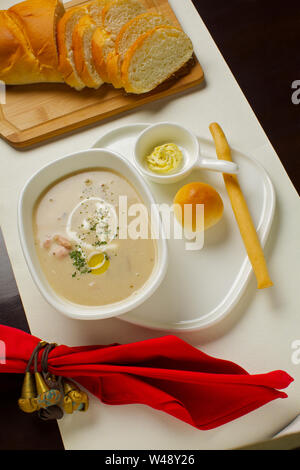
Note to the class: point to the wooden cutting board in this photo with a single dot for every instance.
(33, 113)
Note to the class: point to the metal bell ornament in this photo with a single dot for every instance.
(28, 402)
(74, 399)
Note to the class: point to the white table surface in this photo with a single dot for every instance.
(257, 334)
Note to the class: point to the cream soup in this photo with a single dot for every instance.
(76, 231)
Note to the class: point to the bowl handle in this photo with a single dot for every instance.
(218, 165)
(207, 162)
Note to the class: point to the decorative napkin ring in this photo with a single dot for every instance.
(47, 395)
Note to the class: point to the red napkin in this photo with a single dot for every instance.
(164, 373)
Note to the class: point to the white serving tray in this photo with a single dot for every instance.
(202, 287)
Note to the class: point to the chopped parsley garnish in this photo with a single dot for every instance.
(79, 262)
(100, 243)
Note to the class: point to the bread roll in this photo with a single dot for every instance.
(169, 49)
(129, 33)
(198, 193)
(81, 44)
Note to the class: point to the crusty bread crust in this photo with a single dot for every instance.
(38, 21)
(99, 40)
(18, 63)
(85, 23)
(65, 66)
(114, 70)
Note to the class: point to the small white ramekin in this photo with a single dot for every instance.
(168, 132)
(93, 158)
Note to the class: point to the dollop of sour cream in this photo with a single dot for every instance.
(165, 158)
(93, 224)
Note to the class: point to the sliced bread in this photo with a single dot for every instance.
(154, 57)
(82, 52)
(65, 29)
(118, 12)
(95, 9)
(129, 33)
(102, 45)
(71, 30)
(115, 15)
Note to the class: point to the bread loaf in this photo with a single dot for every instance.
(18, 64)
(169, 49)
(114, 41)
(38, 21)
(28, 49)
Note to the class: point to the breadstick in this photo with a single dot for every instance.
(241, 212)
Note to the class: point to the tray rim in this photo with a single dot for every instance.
(243, 276)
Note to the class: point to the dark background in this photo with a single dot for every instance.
(260, 41)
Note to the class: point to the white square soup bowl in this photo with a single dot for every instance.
(93, 158)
